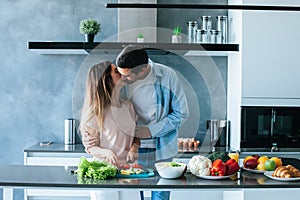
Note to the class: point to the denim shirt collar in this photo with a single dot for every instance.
(157, 70)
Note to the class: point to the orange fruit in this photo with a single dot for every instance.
(277, 161)
(262, 159)
(247, 158)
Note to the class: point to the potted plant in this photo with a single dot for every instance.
(140, 38)
(90, 28)
(176, 37)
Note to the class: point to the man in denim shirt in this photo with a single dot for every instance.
(159, 101)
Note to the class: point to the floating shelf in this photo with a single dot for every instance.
(115, 47)
(203, 6)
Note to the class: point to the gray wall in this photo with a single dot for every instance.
(36, 90)
(182, 16)
(202, 87)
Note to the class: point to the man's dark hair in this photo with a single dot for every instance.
(132, 57)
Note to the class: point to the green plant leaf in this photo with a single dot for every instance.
(140, 35)
(177, 30)
(89, 26)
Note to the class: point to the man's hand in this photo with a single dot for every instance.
(88, 141)
(142, 132)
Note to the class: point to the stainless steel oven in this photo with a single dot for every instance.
(270, 128)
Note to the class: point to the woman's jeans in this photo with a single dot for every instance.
(147, 159)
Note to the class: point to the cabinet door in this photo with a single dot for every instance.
(270, 61)
(55, 159)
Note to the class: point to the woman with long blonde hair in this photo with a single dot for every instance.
(107, 121)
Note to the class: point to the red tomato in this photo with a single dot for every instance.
(125, 166)
(135, 165)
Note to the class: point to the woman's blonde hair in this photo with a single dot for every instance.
(98, 94)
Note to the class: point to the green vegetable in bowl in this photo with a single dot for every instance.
(96, 169)
(174, 164)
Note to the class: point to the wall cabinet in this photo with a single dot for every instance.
(270, 60)
(264, 72)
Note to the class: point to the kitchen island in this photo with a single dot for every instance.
(248, 186)
(59, 177)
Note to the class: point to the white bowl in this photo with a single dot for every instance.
(166, 171)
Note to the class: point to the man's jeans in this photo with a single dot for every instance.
(147, 159)
(157, 195)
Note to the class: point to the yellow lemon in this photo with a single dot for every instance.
(262, 159)
(261, 166)
(277, 161)
(234, 156)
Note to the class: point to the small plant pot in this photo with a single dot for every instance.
(140, 40)
(89, 37)
(176, 39)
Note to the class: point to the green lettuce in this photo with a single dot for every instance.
(95, 169)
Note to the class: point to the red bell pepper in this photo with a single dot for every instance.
(218, 168)
(232, 166)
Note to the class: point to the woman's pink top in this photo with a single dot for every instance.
(119, 129)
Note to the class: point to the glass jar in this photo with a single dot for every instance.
(192, 27)
(203, 36)
(198, 36)
(215, 37)
(222, 26)
(206, 25)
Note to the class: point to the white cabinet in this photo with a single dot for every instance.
(270, 58)
(55, 155)
(62, 155)
(265, 72)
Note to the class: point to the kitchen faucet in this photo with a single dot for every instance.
(274, 148)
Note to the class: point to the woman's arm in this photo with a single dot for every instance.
(91, 141)
(104, 154)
